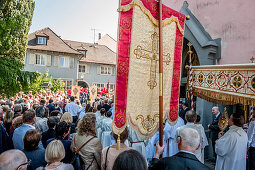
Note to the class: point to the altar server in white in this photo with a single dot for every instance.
(232, 146)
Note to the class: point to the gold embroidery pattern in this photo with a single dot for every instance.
(253, 83)
(221, 80)
(200, 78)
(148, 123)
(151, 18)
(120, 119)
(152, 55)
(173, 114)
(122, 68)
(210, 79)
(237, 81)
(231, 84)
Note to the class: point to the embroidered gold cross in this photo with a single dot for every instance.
(152, 55)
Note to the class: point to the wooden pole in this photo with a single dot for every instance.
(160, 76)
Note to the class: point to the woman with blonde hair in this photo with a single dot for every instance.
(67, 117)
(54, 153)
(87, 142)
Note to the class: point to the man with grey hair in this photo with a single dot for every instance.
(214, 127)
(191, 117)
(188, 143)
(13, 159)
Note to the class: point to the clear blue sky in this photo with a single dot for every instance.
(74, 19)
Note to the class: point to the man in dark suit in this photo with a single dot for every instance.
(188, 143)
(214, 127)
(185, 108)
(50, 106)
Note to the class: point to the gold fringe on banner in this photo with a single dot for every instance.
(222, 98)
(151, 18)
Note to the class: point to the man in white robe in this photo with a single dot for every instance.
(99, 122)
(106, 127)
(169, 132)
(231, 148)
(136, 142)
(191, 118)
(152, 143)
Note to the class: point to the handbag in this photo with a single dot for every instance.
(77, 161)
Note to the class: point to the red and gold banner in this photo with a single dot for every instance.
(137, 76)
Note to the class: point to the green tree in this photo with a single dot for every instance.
(15, 21)
(57, 85)
(39, 80)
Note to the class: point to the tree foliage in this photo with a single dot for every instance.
(39, 80)
(54, 85)
(15, 21)
(57, 85)
(12, 78)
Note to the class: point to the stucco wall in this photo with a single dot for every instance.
(54, 71)
(232, 21)
(93, 77)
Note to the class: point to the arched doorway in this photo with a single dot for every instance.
(185, 61)
(83, 84)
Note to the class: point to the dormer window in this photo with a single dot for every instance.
(42, 40)
(83, 52)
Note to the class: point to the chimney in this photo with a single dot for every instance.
(99, 36)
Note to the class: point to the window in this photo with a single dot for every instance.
(41, 40)
(40, 60)
(112, 87)
(113, 71)
(83, 52)
(82, 68)
(68, 84)
(106, 70)
(64, 61)
(99, 85)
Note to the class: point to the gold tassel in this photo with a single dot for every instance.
(118, 142)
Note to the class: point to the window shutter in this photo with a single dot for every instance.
(32, 58)
(71, 62)
(56, 61)
(48, 60)
(87, 69)
(98, 70)
(113, 70)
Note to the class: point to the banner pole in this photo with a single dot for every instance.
(160, 76)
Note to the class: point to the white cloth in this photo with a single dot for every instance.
(81, 113)
(203, 139)
(99, 133)
(99, 121)
(151, 146)
(251, 133)
(106, 139)
(72, 108)
(106, 126)
(231, 150)
(169, 132)
(139, 144)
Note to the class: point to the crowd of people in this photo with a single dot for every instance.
(45, 130)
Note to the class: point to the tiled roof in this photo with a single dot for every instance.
(94, 53)
(54, 42)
